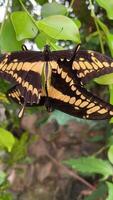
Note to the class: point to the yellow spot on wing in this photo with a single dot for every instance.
(63, 74)
(75, 66)
(102, 111)
(73, 88)
(88, 65)
(72, 100)
(92, 110)
(97, 62)
(68, 79)
(106, 64)
(78, 102)
(19, 66)
(82, 65)
(83, 104)
(95, 66)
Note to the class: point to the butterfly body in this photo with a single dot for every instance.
(56, 79)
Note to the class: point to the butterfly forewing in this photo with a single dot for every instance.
(90, 64)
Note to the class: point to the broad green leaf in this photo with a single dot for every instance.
(105, 79)
(23, 25)
(91, 165)
(110, 191)
(2, 177)
(54, 8)
(8, 40)
(108, 6)
(110, 154)
(59, 27)
(7, 140)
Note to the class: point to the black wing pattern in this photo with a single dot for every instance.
(64, 80)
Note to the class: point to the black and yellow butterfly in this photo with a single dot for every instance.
(56, 79)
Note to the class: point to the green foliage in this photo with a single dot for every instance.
(91, 165)
(6, 139)
(6, 39)
(53, 9)
(108, 6)
(110, 190)
(110, 154)
(19, 150)
(59, 27)
(23, 25)
(99, 193)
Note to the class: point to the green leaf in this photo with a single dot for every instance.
(108, 6)
(54, 8)
(110, 42)
(91, 165)
(8, 40)
(99, 193)
(6, 196)
(110, 154)
(2, 177)
(23, 25)
(105, 79)
(41, 40)
(19, 150)
(41, 2)
(7, 140)
(110, 141)
(59, 27)
(110, 191)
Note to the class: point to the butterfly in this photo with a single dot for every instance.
(56, 79)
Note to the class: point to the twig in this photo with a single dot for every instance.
(70, 172)
(97, 26)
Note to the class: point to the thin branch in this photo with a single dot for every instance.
(97, 26)
(71, 4)
(71, 172)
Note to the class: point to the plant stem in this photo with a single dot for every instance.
(2, 25)
(97, 26)
(71, 4)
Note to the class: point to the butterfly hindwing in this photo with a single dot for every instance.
(77, 101)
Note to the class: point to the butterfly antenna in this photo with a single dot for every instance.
(75, 52)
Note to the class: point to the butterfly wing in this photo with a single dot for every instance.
(87, 64)
(90, 64)
(24, 69)
(76, 100)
